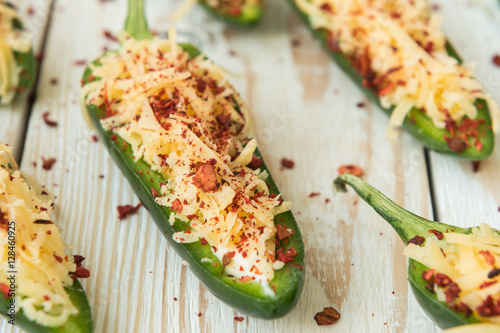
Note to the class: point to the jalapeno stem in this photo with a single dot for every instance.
(136, 24)
(406, 224)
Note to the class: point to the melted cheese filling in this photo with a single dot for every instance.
(467, 260)
(43, 267)
(182, 117)
(11, 40)
(401, 44)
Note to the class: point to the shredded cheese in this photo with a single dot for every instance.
(471, 262)
(11, 40)
(182, 117)
(42, 265)
(400, 50)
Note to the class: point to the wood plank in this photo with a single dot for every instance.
(14, 116)
(304, 109)
(463, 197)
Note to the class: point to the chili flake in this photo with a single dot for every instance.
(240, 319)
(287, 164)
(48, 163)
(438, 234)
(126, 210)
(417, 240)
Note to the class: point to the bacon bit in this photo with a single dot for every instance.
(206, 178)
(350, 168)
(5, 290)
(427, 275)
(48, 122)
(327, 317)
(452, 292)
(176, 206)
(81, 272)
(255, 163)
(48, 163)
(490, 260)
(462, 308)
(154, 192)
(287, 164)
(226, 258)
(489, 308)
(314, 194)
(417, 240)
(78, 259)
(110, 36)
(59, 259)
(282, 232)
(287, 256)
(240, 319)
(493, 273)
(126, 210)
(201, 85)
(496, 60)
(224, 120)
(476, 165)
(438, 234)
(487, 284)
(442, 280)
(203, 241)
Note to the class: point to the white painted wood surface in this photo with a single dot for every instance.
(305, 109)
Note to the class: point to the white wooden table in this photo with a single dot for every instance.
(305, 109)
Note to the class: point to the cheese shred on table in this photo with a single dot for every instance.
(182, 117)
(400, 50)
(11, 40)
(42, 265)
(463, 270)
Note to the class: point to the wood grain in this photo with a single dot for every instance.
(304, 109)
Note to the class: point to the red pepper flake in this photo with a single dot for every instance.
(48, 163)
(287, 164)
(48, 122)
(452, 292)
(350, 168)
(206, 178)
(95, 138)
(113, 137)
(255, 163)
(176, 206)
(192, 216)
(489, 308)
(326, 7)
(417, 240)
(110, 36)
(327, 317)
(81, 272)
(487, 284)
(154, 192)
(59, 259)
(427, 275)
(46, 297)
(4, 289)
(175, 299)
(240, 319)
(490, 260)
(80, 62)
(476, 165)
(438, 234)
(327, 200)
(496, 60)
(126, 210)
(282, 232)
(199, 314)
(442, 280)
(314, 194)
(287, 256)
(203, 241)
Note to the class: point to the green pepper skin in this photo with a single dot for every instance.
(416, 122)
(250, 14)
(409, 225)
(246, 297)
(79, 323)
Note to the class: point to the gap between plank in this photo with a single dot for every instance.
(430, 180)
(34, 90)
